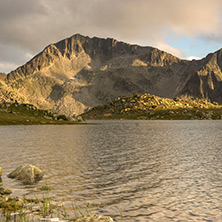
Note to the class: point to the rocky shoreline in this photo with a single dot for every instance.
(27, 209)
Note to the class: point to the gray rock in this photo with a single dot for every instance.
(79, 119)
(0, 174)
(95, 218)
(50, 220)
(5, 191)
(28, 174)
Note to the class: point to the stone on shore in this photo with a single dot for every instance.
(28, 174)
(0, 174)
(5, 191)
(95, 218)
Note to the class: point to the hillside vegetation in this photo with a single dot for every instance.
(26, 114)
(146, 106)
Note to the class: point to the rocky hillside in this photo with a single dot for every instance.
(78, 73)
(205, 80)
(146, 106)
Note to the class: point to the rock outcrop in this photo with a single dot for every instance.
(79, 73)
(3, 76)
(205, 80)
(28, 174)
(146, 106)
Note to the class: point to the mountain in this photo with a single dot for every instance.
(205, 80)
(81, 72)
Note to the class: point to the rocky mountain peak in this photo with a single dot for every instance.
(81, 52)
(80, 72)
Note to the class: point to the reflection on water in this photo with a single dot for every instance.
(135, 170)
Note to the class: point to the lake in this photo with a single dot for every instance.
(129, 170)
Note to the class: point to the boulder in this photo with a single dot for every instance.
(0, 174)
(5, 191)
(28, 174)
(95, 218)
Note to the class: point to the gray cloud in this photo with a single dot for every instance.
(30, 25)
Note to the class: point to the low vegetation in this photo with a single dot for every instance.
(147, 106)
(27, 114)
(22, 209)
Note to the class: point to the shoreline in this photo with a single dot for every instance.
(158, 114)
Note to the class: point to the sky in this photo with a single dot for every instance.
(185, 28)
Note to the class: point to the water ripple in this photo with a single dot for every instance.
(133, 170)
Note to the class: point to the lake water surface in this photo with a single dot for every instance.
(131, 170)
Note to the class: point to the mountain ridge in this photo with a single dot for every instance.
(66, 45)
(80, 72)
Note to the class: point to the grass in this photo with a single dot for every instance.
(45, 187)
(47, 207)
(33, 209)
(22, 211)
(26, 114)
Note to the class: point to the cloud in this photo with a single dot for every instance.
(7, 66)
(192, 57)
(34, 24)
(12, 56)
(30, 25)
(174, 51)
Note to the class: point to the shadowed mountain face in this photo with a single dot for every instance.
(81, 72)
(206, 80)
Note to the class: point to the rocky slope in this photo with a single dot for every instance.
(81, 72)
(146, 106)
(206, 79)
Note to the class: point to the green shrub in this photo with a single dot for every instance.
(63, 117)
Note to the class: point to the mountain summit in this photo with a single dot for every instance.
(79, 72)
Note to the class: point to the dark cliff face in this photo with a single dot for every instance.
(206, 78)
(81, 72)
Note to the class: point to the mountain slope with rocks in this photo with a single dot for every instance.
(146, 106)
(206, 79)
(79, 73)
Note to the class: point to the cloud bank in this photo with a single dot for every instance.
(29, 25)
